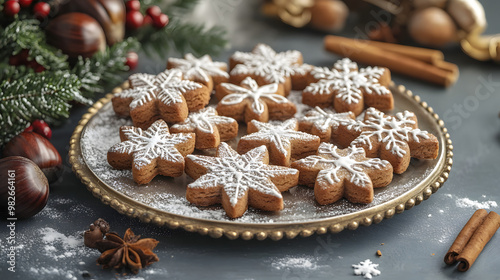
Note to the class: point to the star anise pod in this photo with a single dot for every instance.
(129, 251)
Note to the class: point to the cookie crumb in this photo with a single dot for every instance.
(379, 253)
(382, 244)
(433, 254)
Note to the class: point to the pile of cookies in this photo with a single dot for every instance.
(344, 152)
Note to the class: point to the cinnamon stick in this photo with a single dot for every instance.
(477, 242)
(369, 54)
(464, 236)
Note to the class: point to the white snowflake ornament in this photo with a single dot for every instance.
(284, 141)
(238, 181)
(349, 89)
(367, 269)
(269, 67)
(150, 152)
(337, 173)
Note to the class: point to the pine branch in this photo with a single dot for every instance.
(35, 96)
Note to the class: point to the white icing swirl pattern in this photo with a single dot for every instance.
(199, 68)
(203, 120)
(346, 82)
(323, 119)
(264, 62)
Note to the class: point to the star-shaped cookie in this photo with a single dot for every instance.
(337, 173)
(283, 140)
(209, 127)
(268, 67)
(249, 101)
(349, 89)
(236, 181)
(151, 152)
(393, 138)
(166, 96)
(202, 70)
(323, 123)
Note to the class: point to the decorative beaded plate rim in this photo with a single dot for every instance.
(275, 231)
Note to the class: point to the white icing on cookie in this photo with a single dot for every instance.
(199, 68)
(156, 142)
(280, 135)
(394, 132)
(263, 61)
(166, 87)
(333, 164)
(251, 91)
(203, 120)
(239, 173)
(347, 83)
(323, 119)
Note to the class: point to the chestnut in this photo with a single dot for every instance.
(38, 149)
(76, 34)
(24, 189)
(432, 27)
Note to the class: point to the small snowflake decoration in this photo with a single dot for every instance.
(253, 102)
(343, 173)
(395, 134)
(367, 269)
(236, 181)
(210, 128)
(282, 139)
(201, 69)
(154, 148)
(271, 67)
(152, 97)
(323, 122)
(349, 89)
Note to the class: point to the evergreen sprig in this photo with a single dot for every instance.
(35, 96)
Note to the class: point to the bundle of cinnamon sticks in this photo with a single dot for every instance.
(471, 240)
(420, 63)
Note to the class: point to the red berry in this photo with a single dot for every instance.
(148, 20)
(42, 128)
(11, 8)
(41, 10)
(160, 21)
(29, 128)
(39, 68)
(134, 19)
(25, 3)
(133, 5)
(153, 11)
(132, 60)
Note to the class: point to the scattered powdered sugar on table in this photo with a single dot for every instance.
(168, 194)
(469, 203)
(304, 262)
(58, 245)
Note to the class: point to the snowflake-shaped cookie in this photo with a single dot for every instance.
(166, 96)
(323, 123)
(249, 101)
(337, 173)
(269, 67)
(367, 269)
(283, 140)
(393, 138)
(210, 128)
(151, 152)
(349, 89)
(236, 181)
(202, 70)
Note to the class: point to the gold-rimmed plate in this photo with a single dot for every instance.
(163, 201)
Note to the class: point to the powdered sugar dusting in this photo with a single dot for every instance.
(303, 262)
(469, 203)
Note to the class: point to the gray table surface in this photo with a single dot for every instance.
(412, 243)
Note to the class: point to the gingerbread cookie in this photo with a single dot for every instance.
(337, 173)
(210, 128)
(251, 102)
(348, 88)
(236, 181)
(393, 138)
(283, 140)
(166, 96)
(268, 67)
(202, 70)
(323, 123)
(151, 152)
